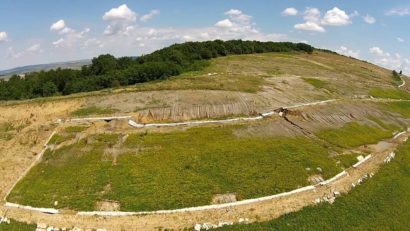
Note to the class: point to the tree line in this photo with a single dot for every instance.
(106, 71)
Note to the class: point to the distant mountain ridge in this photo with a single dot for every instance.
(44, 67)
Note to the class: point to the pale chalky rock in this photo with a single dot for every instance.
(197, 227)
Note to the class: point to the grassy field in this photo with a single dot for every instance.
(347, 160)
(354, 134)
(402, 108)
(17, 226)
(67, 134)
(247, 73)
(317, 83)
(171, 170)
(389, 93)
(227, 73)
(379, 204)
(92, 111)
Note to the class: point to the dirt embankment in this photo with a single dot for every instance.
(181, 105)
(32, 124)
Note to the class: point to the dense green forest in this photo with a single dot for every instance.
(106, 71)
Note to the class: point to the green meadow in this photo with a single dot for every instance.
(381, 203)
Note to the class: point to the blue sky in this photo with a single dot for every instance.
(33, 32)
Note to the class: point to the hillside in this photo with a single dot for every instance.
(106, 71)
(236, 128)
(43, 67)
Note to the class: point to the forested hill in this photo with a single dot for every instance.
(106, 71)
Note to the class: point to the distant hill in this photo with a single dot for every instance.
(44, 67)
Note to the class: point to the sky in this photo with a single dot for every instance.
(46, 31)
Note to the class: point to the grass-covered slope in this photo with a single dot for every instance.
(381, 203)
(17, 226)
(402, 108)
(167, 170)
(171, 170)
(329, 75)
(82, 112)
(354, 134)
(106, 71)
(389, 93)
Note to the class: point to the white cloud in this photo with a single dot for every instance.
(312, 21)
(398, 12)
(150, 15)
(188, 38)
(315, 22)
(312, 15)
(233, 12)
(110, 30)
(61, 27)
(310, 26)
(400, 40)
(376, 51)
(236, 25)
(290, 11)
(336, 17)
(57, 26)
(121, 13)
(93, 42)
(345, 51)
(3, 37)
(119, 19)
(369, 19)
(238, 16)
(71, 38)
(32, 50)
(394, 62)
(58, 42)
(66, 30)
(226, 23)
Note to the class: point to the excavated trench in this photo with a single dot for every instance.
(283, 112)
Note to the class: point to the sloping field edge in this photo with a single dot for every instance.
(38, 158)
(189, 209)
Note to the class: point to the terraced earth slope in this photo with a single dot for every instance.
(108, 165)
